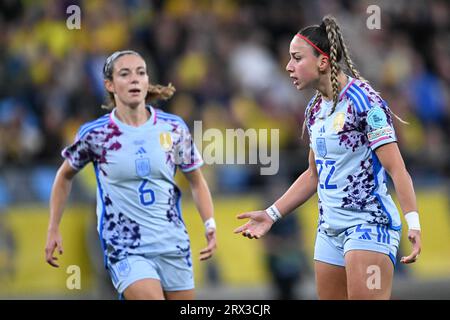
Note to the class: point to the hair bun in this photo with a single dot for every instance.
(328, 20)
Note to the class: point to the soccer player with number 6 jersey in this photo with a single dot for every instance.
(136, 150)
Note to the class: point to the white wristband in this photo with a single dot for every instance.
(274, 213)
(210, 224)
(412, 218)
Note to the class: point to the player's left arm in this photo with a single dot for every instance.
(204, 204)
(391, 160)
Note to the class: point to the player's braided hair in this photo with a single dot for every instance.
(348, 61)
(328, 38)
(334, 31)
(154, 91)
(333, 39)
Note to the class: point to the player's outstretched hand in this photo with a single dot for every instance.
(259, 224)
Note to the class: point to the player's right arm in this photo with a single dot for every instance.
(60, 193)
(298, 193)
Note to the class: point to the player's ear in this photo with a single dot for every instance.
(323, 63)
(109, 85)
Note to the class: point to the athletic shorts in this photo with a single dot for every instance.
(378, 238)
(174, 272)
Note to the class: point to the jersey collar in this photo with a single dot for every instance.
(150, 122)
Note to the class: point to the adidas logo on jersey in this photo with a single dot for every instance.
(141, 151)
(322, 130)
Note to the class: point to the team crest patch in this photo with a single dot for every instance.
(338, 122)
(321, 147)
(123, 267)
(376, 118)
(165, 140)
(143, 167)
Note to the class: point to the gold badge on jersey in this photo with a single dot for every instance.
(338, 122)
(165, 140)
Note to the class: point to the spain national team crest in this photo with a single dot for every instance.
(338, 122)
(165, 140)
(321, 147)
(143, 167)
(123, 267)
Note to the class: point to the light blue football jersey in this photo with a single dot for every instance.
(138, 202)
(352, 182)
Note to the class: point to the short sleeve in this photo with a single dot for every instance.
(189, 157)
(378, 126)
(78, 154)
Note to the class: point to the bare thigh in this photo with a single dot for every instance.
(369, 275)
(145, 289)
(331, 281)
(180, 295)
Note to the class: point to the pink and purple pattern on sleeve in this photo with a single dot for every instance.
(372, 115)
(94, 140)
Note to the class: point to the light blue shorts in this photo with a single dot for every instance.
(174, 272)
(378, 238)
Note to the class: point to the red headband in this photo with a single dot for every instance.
(313, 45)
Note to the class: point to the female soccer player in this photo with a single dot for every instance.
(352, 145)
(135, 151)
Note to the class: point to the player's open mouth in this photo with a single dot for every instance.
(134, 91)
